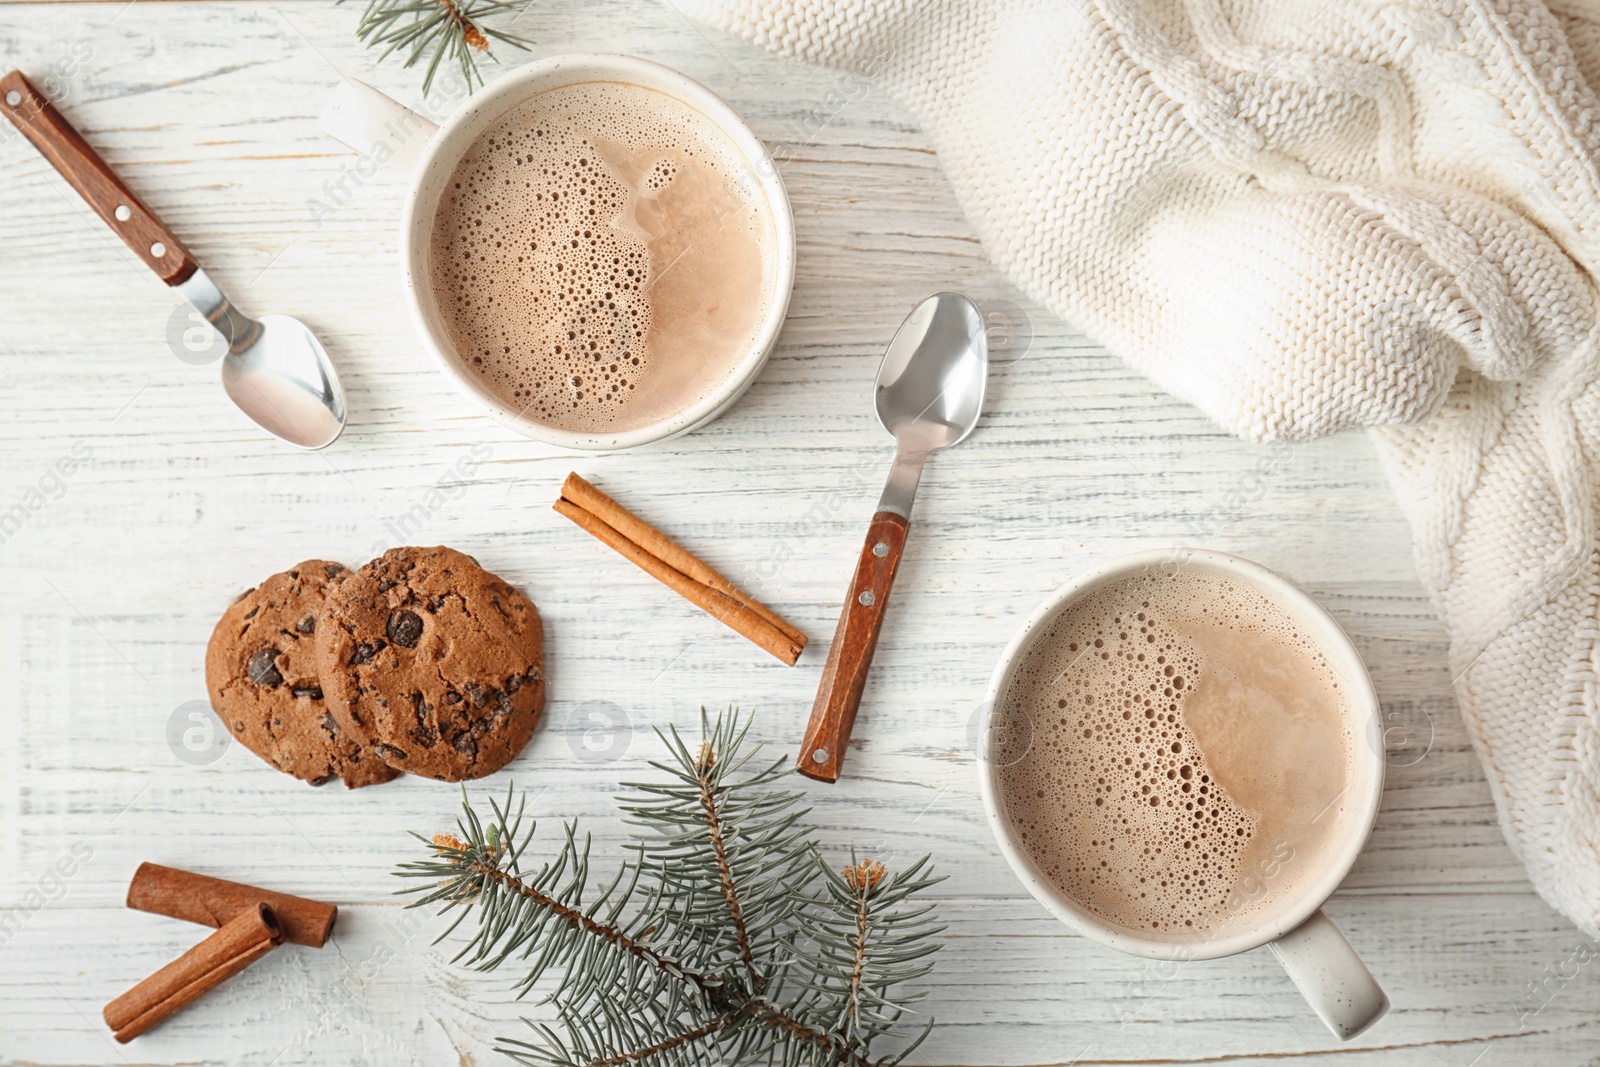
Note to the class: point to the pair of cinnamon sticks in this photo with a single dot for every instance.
(250, 923)
(678, 569)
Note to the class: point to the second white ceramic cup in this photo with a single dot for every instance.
(376, 125)
(1315, 954)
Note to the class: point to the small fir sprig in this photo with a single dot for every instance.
(723, 939)
(451, 29)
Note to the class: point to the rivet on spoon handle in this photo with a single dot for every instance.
(844, 676)
(33, 113)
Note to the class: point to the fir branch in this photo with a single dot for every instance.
(724, 939)
(862, 878)
(452, 29)
(865, 940)
(719, 848)
(732, 851)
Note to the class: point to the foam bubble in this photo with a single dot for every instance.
(602, 257)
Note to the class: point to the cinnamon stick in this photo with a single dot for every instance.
(679, 569)
(199, 898)
(242, 940)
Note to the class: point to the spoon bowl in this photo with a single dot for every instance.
(282, 378)
(932, 380)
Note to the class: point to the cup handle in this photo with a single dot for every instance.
(374, 123)
(1331, 976)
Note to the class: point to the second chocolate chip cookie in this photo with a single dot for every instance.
(433, 661)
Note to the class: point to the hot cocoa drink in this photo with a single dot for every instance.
(603, 257)
(1175, 753)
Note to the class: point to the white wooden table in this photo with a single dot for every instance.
(112, 585)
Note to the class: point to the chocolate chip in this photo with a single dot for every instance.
(367, 651)
(330, 724)
(452, 697)
(307, 625)
(434, 604)
(467, 745)
(333, 569)
(262, 668)
(480, 695)
(405, 628)
(389, 752)
(426, 736)
(312, 691)
(252, 613)
(323, 779)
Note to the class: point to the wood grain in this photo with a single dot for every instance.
(113, 582)
(855, 641)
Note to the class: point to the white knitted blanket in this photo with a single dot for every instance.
(1310, 215)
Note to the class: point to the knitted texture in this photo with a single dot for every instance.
(1305, 217)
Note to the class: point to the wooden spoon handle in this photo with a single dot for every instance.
(833, 715)
(32, 113)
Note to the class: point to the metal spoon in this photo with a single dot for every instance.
(929, 396)
(275, 370)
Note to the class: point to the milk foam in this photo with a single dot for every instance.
(602, 257)
(1175, 752)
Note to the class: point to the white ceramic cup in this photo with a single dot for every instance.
(392, 135)
(1316, 955)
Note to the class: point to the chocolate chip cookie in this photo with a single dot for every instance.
(434, 662)
(261, 673)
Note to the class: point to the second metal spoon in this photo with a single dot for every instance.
(929, 396)
(275, 370)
